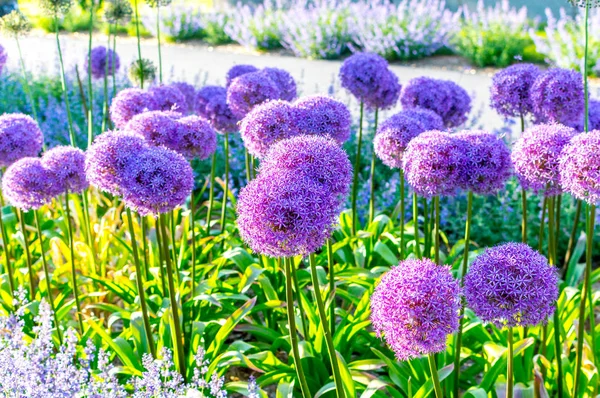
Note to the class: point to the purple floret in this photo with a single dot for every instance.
(249, 90)
(130, 102)
(284, 82)
(105, 62)
(325, 116)
(557, 97)
(510, 91)
(27, 184)
(239, 70)
(204, 95)
(393, 135)
(67, 164)
(169, 98)
(579, 167)
(220, 116)
(20, 137)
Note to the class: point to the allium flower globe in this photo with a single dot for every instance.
(205, 94)
(363, 74)
(189, 93)
(247, 91)
(415, 307)
(557, 96)
(387, 93)
(510, 92)
(428, 118)
(67, 165)
(20, 137)
(536, 155)
(196, 138)
(393, 135)
(157, 127)
(511, 285)
(142, 70)
(239, 70)
(130, 102)
(220, 116)
(324, 116)
(27, 184)
(15, 24)
(169, 98)
(118, 12)
(284, 82)
(579, 167)
(105, 62)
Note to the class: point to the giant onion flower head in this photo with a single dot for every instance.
(393, 135)
(362, 74)
(536, 155)
(250, 90)
(130, 102)
(220, 116)
(284, 214)
(204, 95)
(387, 93)
(15, 24)
(20, 137)
(415, 307)
(27, 184)
(157, 180)
(197, 138)
(433, 163)
(319, 158)
(105, 62)
(118, 12)
(267, 124)
(579, 167)
(284, 82)
(67, 165)
(169, 98)
(142, 71)
(55, 8)
(487, 164)
(238, 70)
(428, 118)
(557, 96)
(157, 127)
(189, 93)
(511, 285)
(510, 91)
(324, 116)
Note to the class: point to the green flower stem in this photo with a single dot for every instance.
(586, 116)
(299, 299)
(524, 213)
(572, 237)
(434, 376)
(211, 195)
(226, 189)
(416, 224)
(144, 223)
(105, 81)
(88, 228)
(137, 33)
(436, 202)
(248, 165)
(402, 205)
(27, 254)
(542, 224)
(331, 265)
(373, 162)
(90, 86)
(510, 380)
(356, 171)
(73, 267)
(160, 68)
(6, 250)
(426, 228)
(26, 85)
(161, 258)
(552, 259)
(193, 230)
(63, 81)
(114, 74)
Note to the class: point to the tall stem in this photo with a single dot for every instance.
(402, 205)
(509, 365)
(105, 82)
(552, 259)
(63, 81)
(299, 299)
(331, 265)
(73, 268)
(88, 229)
(373, 159)
(524, 217)
(160, 68)
(90, 87)
(436, 201)
(434, 376)
(226, 189)
(27, 254)
(193, 230)
(585, 68)
(248, 165)
(211, 195)
(356, 171)
(137, 33)
(426, 228)
(542, 224)
(416, 224)
(572, 237)
(6, 250)
(26, 85)
(114, 72)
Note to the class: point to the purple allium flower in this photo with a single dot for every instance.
(67, 164)
(487, 164)
(428, 118)
(250, 90)
(579, 167)
(284, 214)
(157, 127)
(363, 74)
(27, 184)
(387, 93)
(189, 92)
(239, 70)
(593, 118)
(130, 102)
(511, 285)
(284, 82)
(444, 97)
(326, 116)
(536, 154)
(267, 124)
(433, 163)
(393, 136)
(205, 94)
(197, 138)
(156, 180)
(169, 98)
(220, 116)
(109, 156)
(3, 58)
(105, 62)
(510, 91)
(557, 96)
(315, 157)
(20, 137)
(415, 307)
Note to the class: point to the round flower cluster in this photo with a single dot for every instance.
(220, 116)
(238, 70)
(204, 95)
(20, 137)
(67, 165)
(27, 184)
(130, 102)
(579, 167)
(428, 118)
(284, 82)
(168, 98)
(415, 307)
(326, 116)
(511, 285)
(557, 96)
(249, 90)
(536, 154)
(105, 62)
(142, 71)
(118, 12)
(510, 92)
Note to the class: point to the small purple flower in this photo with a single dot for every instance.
(27, 184)
(20, 137)
(239, 70)
(557, 96)
(67, 164)
(130, 102)
(325, 116)
(510, 92)
(415, 307)
(169, 98)
(536, 157)
(249, 90)
(220, 116)
(284, 82)
(511, 285)
(189, 92)
(205, 94)
(393, 135)
(105, 62)
(363, 74)
(579, 167)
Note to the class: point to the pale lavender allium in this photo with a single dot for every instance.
(20, 136)
(105, 62)
(249, 90)
(510, 91)
(67, 164)
(239, 70)
(325, 116)
(284, 82)
(27, 184)
(130, 102)
(579, 167)
(557, 97)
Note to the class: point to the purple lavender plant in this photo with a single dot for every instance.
(130, 102)
(238, 70)
(67, 165)
(27, 184)
(20, 137)
(284, 82)
(510, 91)
(557, 96)
(104, 62)
(325, 116)
(578, 166)
(247, 91)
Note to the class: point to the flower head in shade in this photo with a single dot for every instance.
(325, 116)
(189, 93)
(487, 164)
(104, 62)
(130, 102)
(284, 82)
(157, 180)
(27, 184)
(536, 154)
(433, 163)
(249, 90)
(387, 93)
(205, 94)
(557, 96)
(283, 214)
(15, 24)
(393, 136)
(415, 307)
(428, 118)
(118, 12)
(579, 167)
(142, 71)
(55, 7)
(169, 98)
(363, 74)
(267, 124)
(67, 164)
(239, 70)
(197, 138)
(157, 127)
(315, 157)
(20, 137)
(511, 285)
(109, 156)
(220, 116)
(510, 92)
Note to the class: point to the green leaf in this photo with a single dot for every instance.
(121, 348)
(499, 365)
(385, 253)
(427, 388)
(230, 323)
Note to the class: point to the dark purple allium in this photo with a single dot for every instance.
(157, 180)
(169, 98)
(326, 116)
(27, 184)
(393, 136)
(205, 94)
(108, 157)
(363, 74)
(284, 214)
(510, 91)
(220, 116)
(415, 307)
(536, 154)
(315, 157)
(130, 102)
(239, 70)
(428, 118)
(20, 137)
(487, 164)
(105, 62)
(579, 167)
(250, 90)
(267, 124)
(157, 127)
(557, 96)
(284, 81)
(511, 285)
(67, 165)
(197, 138)
(189, 92)
(433, 163)
(387, 94)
